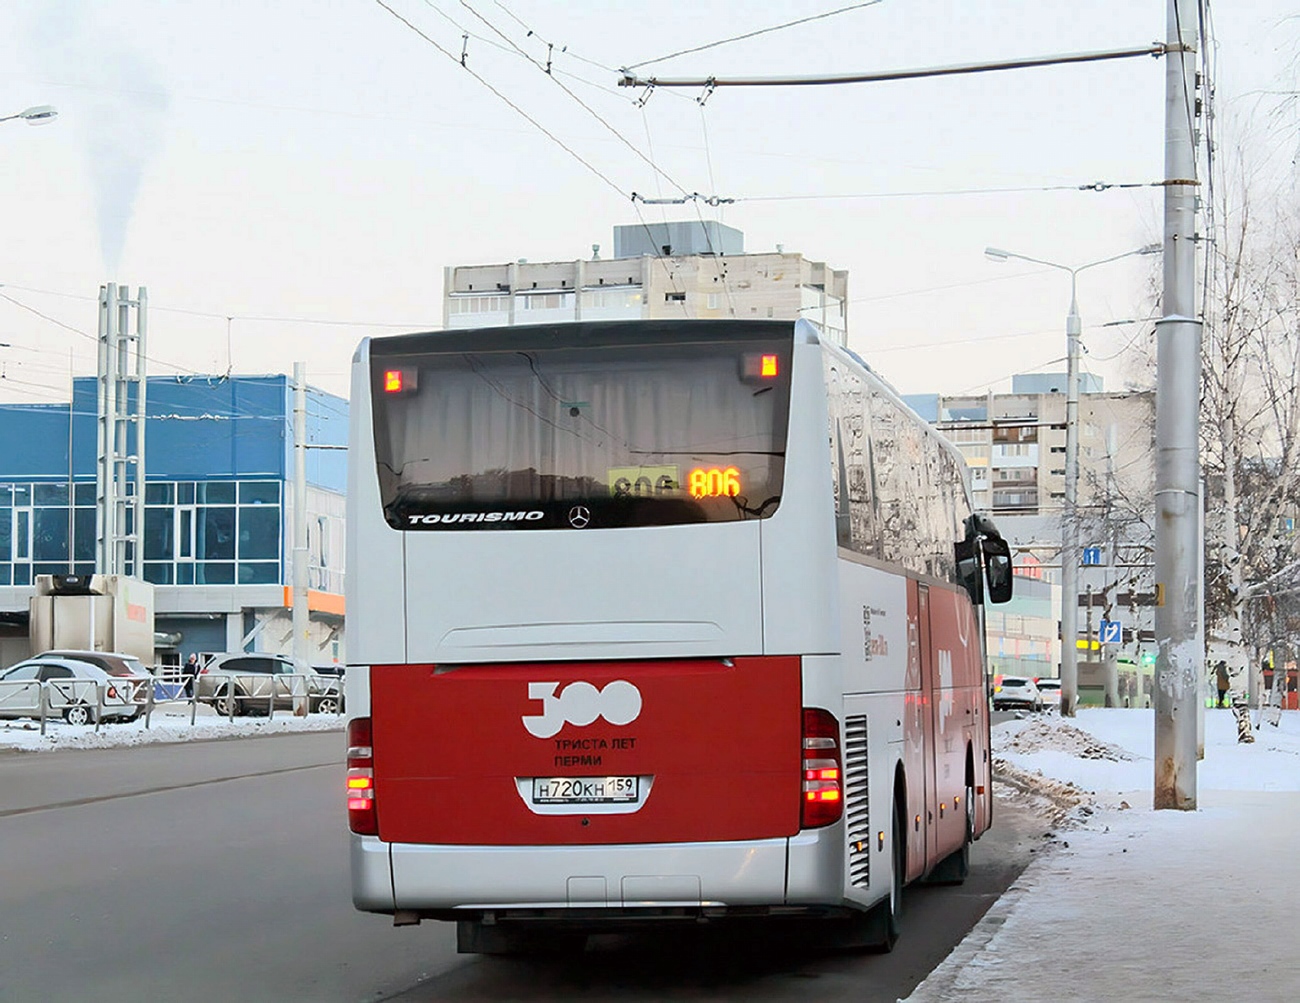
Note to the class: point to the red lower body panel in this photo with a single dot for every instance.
(717, 743)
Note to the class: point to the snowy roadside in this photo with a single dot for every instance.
(1120, 884)
(168, 724)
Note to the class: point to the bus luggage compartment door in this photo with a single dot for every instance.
(560, 753)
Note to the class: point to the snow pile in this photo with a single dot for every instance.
(1057, 766)
(171, 724)
(1060, 802)
(1112, 750)
(1053, 733)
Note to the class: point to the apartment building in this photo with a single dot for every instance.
(1014, 443)
(694, 269)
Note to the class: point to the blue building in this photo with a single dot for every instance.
(217, 540)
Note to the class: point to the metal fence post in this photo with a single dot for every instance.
(148, 703)
(99, 705)
(44, 699)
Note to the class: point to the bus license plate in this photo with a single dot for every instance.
(585, 790)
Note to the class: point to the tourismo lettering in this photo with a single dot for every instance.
(463, 518)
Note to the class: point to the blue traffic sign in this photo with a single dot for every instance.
(1092, 556)
(1112, 632)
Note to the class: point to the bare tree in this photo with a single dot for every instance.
(1251, 416)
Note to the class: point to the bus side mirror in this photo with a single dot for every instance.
(997, 568)
(968, 569)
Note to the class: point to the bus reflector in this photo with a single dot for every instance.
(361, 779)
(823, 798)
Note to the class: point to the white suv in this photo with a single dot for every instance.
(1016, 693)
(253, 682)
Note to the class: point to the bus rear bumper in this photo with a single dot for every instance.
(438, 881)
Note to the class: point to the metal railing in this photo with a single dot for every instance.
(129, 698)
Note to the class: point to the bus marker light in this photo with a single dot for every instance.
(756, 367)
(880, 840)
(400, 381)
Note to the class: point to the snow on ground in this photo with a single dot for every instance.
(1113, 750)
(1129, 903)
(168, 724)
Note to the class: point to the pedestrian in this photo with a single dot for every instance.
(191, 671)
(1221, 680)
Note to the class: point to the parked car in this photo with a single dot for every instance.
(72, 691)
(121, 665)
(1016, 693)
(1051, 692)
(252, 682)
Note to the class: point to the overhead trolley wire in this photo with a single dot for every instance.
(753, 34)
(519, 111)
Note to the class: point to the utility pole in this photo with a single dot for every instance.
(301, 649)
(1179, 660)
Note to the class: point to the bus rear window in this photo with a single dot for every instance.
(581, 425)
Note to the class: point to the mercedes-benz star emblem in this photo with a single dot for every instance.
(579, 516)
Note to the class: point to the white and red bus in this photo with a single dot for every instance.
(633, 638)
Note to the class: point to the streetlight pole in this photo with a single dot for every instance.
(1070, 513)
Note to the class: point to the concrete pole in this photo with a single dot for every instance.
(1179, 663)
(301, 649)
(1069, 517)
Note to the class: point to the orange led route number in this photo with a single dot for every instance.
(713, 482)
(702, 482)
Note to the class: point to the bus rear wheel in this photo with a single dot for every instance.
(883, 925)
(954, 868)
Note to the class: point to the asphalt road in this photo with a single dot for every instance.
(219, 871)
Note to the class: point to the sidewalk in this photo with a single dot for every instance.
(1146, 905)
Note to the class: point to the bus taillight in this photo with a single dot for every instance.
(361, 779)
(823, 792)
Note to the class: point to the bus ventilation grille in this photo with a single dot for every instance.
(857, 800)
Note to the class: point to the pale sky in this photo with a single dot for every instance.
(321, 161)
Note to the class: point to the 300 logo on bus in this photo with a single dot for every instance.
(579, 704)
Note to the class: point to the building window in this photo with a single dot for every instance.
(259, 492)
(217, 534)
(259, 533)
(197, 535)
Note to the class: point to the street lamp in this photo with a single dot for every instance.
(37, 114)
(1069, 520)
